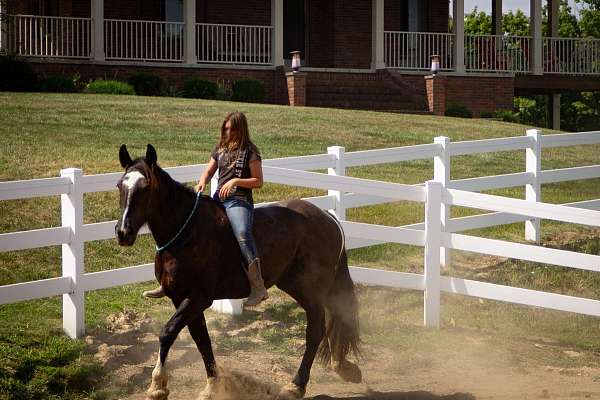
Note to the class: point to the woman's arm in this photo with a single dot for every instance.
(254, 182)
(206, 175)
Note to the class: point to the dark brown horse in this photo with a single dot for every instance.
(302, 251)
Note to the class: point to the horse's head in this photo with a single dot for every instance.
(135, 189)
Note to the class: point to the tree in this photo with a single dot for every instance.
(515, 23)
(478, 23)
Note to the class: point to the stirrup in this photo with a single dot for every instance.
(154, 293)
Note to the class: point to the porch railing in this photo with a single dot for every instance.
(497, 53)
(413, 50)
(39, 36)
(143, 40)
(571, 55)
(233, 44)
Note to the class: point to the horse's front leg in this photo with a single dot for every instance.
(184, 314)
(199, 333)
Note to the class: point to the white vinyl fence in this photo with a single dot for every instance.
(437, 234)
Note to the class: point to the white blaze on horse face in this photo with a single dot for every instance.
(130, 181)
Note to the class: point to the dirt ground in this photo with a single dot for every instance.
(486, 368)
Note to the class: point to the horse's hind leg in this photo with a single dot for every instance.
(199, 333)
(315, 332)
(185, 314)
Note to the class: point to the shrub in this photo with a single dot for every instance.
(58, 83)
(200, 89)
(17, 75)
(458, 110)
(109, 87)
(251, 91)
(507, 116)
(146, 84)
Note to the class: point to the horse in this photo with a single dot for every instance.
(198, 260)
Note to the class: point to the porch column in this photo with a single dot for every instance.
(554, 109)
(98, 30)
(536, 32)
(497, 17)
(190, 31)
(277, 37)
(377, 56)
(553, 10)
(458, 14)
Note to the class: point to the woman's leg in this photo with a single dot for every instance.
(240, 216)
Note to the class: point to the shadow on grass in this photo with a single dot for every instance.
(419, 395)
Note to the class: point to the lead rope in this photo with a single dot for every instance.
(170, 242)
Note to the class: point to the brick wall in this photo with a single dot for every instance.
(438, 12)
(274, 80)
(478, 93)
(320, 33)
(247, 12)
(352, 43)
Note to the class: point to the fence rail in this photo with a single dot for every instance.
(413, 50)
(580, 56)
(233, 44)
(345, 192)
(497, 53)
(143, 40)
(40, 36)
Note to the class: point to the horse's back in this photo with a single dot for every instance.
(294, 236)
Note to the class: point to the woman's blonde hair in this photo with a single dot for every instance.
(241, 139)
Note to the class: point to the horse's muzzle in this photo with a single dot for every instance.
(125, 237)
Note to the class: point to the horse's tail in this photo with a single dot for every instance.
(341, 315)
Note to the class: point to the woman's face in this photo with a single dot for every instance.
(229, 131)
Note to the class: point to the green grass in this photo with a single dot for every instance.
(42, 134)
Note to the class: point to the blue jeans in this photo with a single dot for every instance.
(241, 217)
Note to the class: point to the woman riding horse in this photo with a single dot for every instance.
(198, 261)
(240, 171)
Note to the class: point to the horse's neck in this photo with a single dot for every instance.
(171, 206)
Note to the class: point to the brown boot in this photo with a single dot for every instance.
(258, 292)
(155, 293)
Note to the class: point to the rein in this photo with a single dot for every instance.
(170, 242)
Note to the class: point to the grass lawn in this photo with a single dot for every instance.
(43, 133)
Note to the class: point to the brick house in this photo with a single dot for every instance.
(366, 54)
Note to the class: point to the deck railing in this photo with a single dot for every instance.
(143, 40)
(497, 53)
(233, 44)
(580, 56)
(413, 50)
(39, 36)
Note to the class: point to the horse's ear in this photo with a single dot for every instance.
(124, 157)
(150, 155)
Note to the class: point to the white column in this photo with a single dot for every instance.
(533, 191)
(536, 32)
(73, 254)
(190, 31)
(459, 35)
(377, 22)
(98, 30)
(277, 38)
(431, 309)
(441, 174)
(225, 306)
(338, 170)
(555, 100)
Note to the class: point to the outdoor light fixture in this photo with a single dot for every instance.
(435, 64)
(295, 60)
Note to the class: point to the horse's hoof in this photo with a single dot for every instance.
(209, 389)
(348, 371)
(291, 391)
(158, 394)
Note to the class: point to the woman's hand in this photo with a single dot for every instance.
(200, 187)
(228, 188)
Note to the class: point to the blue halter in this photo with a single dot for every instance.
(170, 242)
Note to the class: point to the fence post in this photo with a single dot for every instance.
(73, 254)
(533, 191)
(338, 170)
(433, 234)
(441, 173)
(225, 306)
